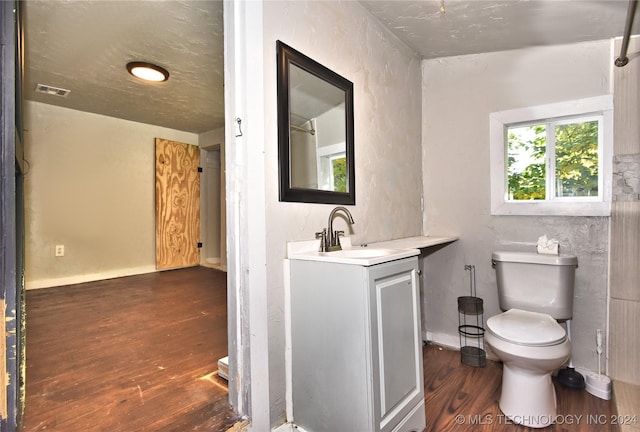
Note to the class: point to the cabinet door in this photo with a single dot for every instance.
(396, 341)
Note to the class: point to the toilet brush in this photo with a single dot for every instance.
(599, 385)
(569, 377)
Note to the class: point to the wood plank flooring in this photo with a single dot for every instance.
(462, 398)
(130, 354)
(140, 354)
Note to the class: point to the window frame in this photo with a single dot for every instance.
(556, 112)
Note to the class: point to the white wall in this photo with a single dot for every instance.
(342, 36)
(459, 93)
(90, 186)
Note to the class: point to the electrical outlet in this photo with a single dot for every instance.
(59, 250)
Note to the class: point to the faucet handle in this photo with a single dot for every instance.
(337, 235)
(322, 235)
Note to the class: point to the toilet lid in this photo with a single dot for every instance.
(526, 328)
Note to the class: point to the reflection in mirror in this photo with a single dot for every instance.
(315, 122)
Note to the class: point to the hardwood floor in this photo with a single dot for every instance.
(140, 354)
(462, 398)
(130, 354)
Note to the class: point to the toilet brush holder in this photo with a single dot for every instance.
(599, 385)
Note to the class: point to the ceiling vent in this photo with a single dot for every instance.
(55, 91)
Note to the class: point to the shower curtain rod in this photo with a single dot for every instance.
(301, 129)
(311, 130)
(631, 11)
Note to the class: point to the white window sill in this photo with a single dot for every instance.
(546, 208)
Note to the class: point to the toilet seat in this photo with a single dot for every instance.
(526, 328)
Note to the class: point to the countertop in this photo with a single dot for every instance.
(419, 242)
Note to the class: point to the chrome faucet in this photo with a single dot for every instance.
(332, 238)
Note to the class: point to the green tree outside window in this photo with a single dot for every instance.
(575, 155)
(339, 174)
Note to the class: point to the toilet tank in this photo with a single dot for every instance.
(536, 282)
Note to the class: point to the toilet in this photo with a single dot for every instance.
(535, 291)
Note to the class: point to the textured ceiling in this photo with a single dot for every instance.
(477, 26)
(84, 45)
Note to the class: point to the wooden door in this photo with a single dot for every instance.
(177, 204)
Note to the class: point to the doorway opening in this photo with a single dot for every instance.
(214, 253)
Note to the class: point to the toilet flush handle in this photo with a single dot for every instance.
(493, 263)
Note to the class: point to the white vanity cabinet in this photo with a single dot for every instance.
(356, 348)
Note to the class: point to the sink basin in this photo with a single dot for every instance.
(355, 255)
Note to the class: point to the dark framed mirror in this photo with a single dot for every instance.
(315, 131)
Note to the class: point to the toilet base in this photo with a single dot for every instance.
(528, 399)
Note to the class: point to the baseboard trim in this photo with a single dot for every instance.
(91, 277)
(214, 266)
(452, 342)
(443, 339)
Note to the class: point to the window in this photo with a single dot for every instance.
(332, 168)
(339, 173)
(552, 159)
(556, 159)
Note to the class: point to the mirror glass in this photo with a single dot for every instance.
(315, 127)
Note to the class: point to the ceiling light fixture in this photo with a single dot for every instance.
(147, 71)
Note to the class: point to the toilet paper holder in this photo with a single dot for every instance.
(471, 325)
